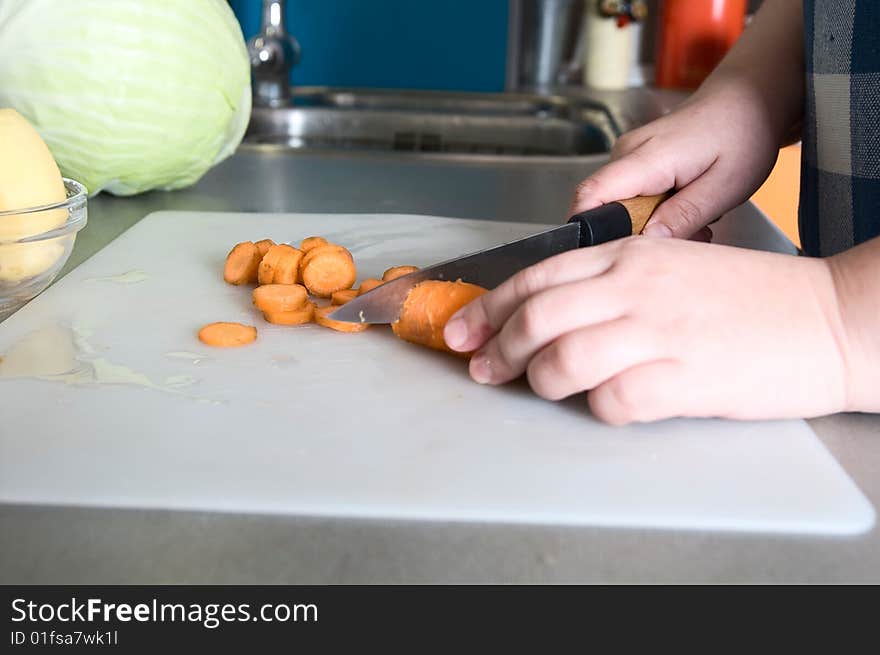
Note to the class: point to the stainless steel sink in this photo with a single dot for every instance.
(434, 123)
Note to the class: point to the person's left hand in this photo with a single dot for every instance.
(656, 328)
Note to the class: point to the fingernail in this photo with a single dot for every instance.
(456, 333)
(481, 369)
(658, 230)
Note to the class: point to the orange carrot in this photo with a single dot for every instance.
(287, 269)
(343, 296)
(266, 270)
(227, 335)
(304, 314)
(398, 271)
(326, 269)
(242, 264)
(311, 242)
(263, 246)
(368, 285)
(320, 249)
(340, 326)
(280, 297)
(317, 250)
(281, 261)
(427, 308)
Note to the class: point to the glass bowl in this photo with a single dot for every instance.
(29, 264)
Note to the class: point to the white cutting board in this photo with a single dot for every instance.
(314, 422)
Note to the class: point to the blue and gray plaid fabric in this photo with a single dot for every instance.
(840, 173)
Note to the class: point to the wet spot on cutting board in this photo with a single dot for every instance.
(131, 277)
(61, 354)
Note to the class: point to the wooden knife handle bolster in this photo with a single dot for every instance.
(641, 209)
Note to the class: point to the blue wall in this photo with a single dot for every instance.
(419, 44)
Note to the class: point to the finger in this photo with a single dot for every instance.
(471, 326)
(693, 207)
(541, 319)
(647, 392)
(627, 177)
(585, 358)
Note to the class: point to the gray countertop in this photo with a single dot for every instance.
(87, 545)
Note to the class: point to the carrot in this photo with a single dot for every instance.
(340, 326)
(242, 263)
(266, 270)
(287, 269)
(368, 285)
(227, 335)
(263, 246)
(398, 271)
(304, 314)
(327, 269)
(280, 297)
(311, 242)
(320, 249)
(317, 250)
(343, 296)
(281, 261)
(427, 308)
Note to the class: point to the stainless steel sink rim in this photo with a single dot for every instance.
(435, 123)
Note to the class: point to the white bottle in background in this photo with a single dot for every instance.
(608, 51)
(639, 72)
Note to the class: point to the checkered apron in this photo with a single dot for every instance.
(840, 170)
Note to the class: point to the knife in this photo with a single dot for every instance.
(489, 268)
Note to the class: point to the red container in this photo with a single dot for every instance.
(694, 36)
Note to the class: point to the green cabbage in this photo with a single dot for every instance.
(129, 95)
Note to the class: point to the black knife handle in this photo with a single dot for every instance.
(616, 220)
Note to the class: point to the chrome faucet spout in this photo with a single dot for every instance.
(273, 54)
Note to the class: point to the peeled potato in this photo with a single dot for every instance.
(29, 177)
(19, 261)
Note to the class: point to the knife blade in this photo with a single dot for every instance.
(489, 268)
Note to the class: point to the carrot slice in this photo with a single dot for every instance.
(326, 270)
(299, 316)
(263, 246)
(227, 335)
(340, 326)
(398, 271)
(317, 250)
(343, 296)
(266, 270)
(280, 297)
(287, 268)
(427, 308)
(272, 262)
(322, 249)
(311, 242)
(242, 263)
(368, 285)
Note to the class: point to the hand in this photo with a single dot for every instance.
(715, 151)
(656, 328)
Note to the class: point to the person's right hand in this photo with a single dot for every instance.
(714, 151)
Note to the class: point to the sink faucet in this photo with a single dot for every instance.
(273, 53)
